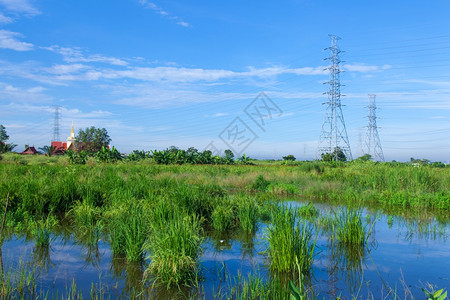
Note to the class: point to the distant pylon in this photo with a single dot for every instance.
(373, 144)
(334, 134)
(57, 118)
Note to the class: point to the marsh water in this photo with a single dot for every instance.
(404, 254)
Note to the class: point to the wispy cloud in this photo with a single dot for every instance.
(8, 40)
(20, 6)
(66, 69)
(172, 74)
(76, 55)
(156, 96)
(220, 114)
(4, 19)
(365, 68)
(9, 92)
(159, 10)
(217, 115)
(119, 69)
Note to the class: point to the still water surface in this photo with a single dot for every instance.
(403, 255)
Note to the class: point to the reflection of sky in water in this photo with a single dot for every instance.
(398, 252)
(396, 256)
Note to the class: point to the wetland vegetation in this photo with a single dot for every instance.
(228, 231)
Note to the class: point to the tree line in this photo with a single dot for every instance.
(94, 142)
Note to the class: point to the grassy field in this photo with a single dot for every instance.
(160, 212)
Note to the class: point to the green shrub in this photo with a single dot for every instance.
(77, 158)
(260, 184)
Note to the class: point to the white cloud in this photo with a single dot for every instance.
(184, 24)
(220, 114)
(279, 70)
(9, 92)
(155, 96)
(157, 9)
(66, 69)
(177, 74)
(365, 68)
(4, 19)
(8, 40)
(76, 55)
(20, 6)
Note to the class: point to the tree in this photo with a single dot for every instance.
(422, 161)
(5, 147)
(48, 150)
(107, 155)
(3, 136)
(336, 155)
(93, 139)
(289, 157)
(229, 157)
(365, 157)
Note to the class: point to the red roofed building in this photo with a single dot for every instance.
(62, 147)
(29, 150)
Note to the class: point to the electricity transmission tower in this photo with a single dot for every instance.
(57, 118)
(334, 134)
(372, 144)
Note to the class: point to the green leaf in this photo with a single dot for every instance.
(295, 293)
(443, 296)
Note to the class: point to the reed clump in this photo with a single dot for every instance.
(290, 242)
(128, 230)
(173, 247)
(348, 228)
(42, 231)
(247, 211)
(224, 216)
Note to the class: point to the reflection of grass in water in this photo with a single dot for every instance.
(41, 258)
(89, 243)
(348, 245)
(41, 230)
(131, 272)
(87, 228)
(426, 230)
(254, 286)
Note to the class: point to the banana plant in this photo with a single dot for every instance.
(437, 295)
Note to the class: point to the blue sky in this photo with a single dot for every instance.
(162, 73)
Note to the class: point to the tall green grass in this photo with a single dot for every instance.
(224, 216)
(247, 208)
(290, 242)
(173, 247)
(348, 228)
(348, 244)
(129, 230)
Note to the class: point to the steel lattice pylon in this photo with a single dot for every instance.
(372, 145)
(57, 118)
(334, 134)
